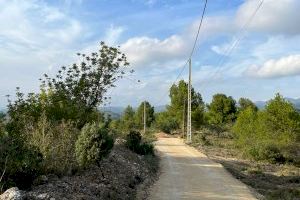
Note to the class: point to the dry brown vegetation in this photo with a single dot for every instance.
(271, 181)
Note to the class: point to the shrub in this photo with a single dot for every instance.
(19, 163)
(134, 142)
(291, 153)
(146, 149)
(268, 152)
(271, 134)
(93, 144)
(56, 142)
(166, 123)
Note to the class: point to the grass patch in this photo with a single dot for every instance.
(273, 181)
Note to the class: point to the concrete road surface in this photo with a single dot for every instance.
(189, 174)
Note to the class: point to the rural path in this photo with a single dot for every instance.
(188, 174)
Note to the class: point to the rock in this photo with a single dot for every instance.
(12, 194)
(43, 196)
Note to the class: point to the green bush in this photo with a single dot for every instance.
(56, 142)
(146, 149)
(20, 163)
(93, 144)
(166, 123)
(270, 134)
(268, 152)
(291, 153)
(134, 142)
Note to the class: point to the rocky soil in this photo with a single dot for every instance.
(119, 176)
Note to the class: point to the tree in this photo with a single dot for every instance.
(2, 121)
(127, 119)
(245, 103)
(222, 109)
(165, 122)
(198, 117)
(76, 91)
(271, 134)
(178, 95)
(282, 119)
(139, 115)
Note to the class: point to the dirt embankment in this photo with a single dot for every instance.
(119, 176)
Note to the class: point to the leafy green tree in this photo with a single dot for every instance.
(2, 122)
(222, 109)
(271, 134)
(128, 119)
(165, 122)
(245, 127)
(245, 103)
(198, 117)
(139, 115)
(282, 119)
(178, 106)
(75, 92)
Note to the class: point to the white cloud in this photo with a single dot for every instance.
(113, 34)
(285, 66)
(155, 53)
(277, 17)
(34, 39)
(33, 23)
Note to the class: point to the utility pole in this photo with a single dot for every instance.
(183, 118)
(144, 117)
(189, 122)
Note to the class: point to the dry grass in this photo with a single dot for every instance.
(272, 181)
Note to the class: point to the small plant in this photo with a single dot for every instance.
(93, 144)
(56, 142)
(20, 163)
(146, 149)
(134, 142)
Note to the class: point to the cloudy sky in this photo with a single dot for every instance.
(39, 36)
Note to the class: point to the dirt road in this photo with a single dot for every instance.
(189, 174)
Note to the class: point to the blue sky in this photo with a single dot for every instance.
(39, 36)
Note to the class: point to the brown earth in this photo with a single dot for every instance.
(119, 176)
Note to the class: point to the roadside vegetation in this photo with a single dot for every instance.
(260, 147)
(60, 131)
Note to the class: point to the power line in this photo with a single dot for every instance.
(239, 36)
(199, 27)
(192, 51)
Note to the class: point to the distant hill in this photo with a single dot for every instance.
(117, 111)
(113, 109)
(295, 102)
